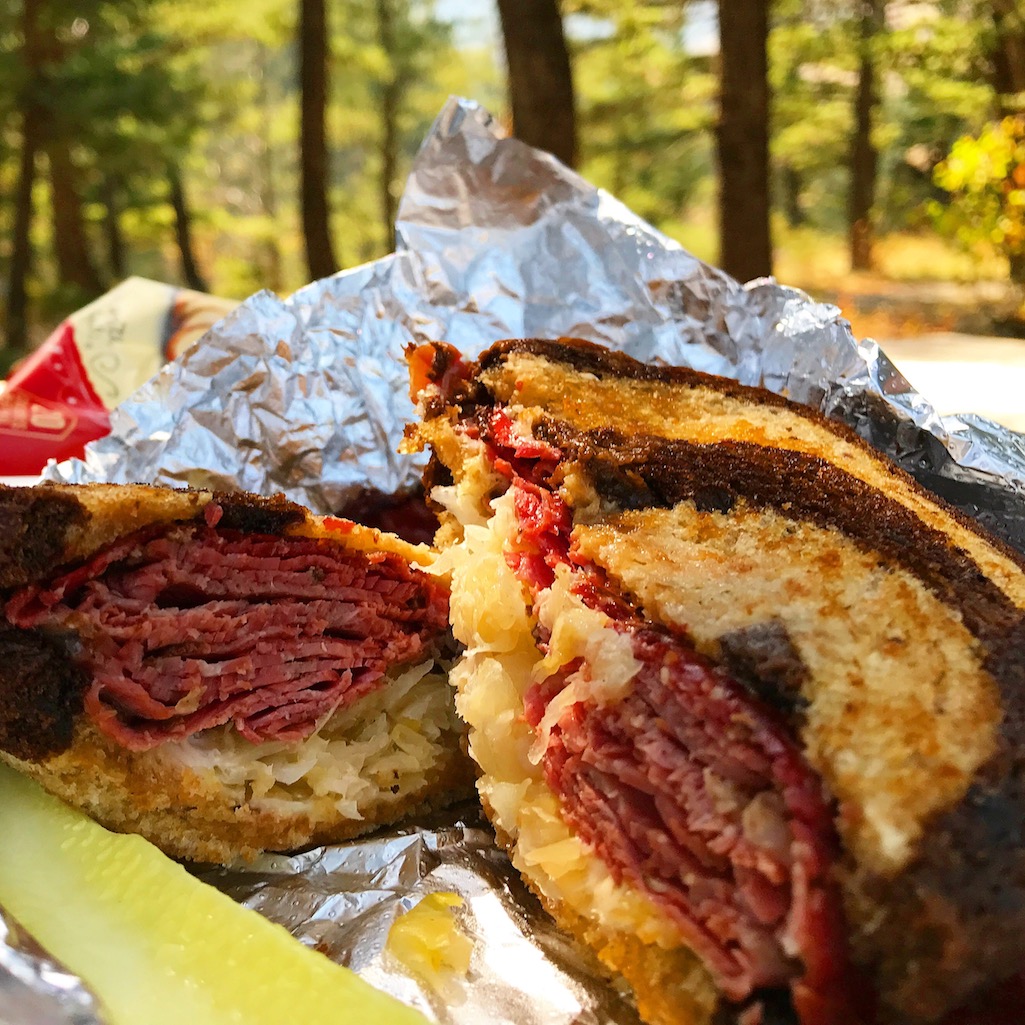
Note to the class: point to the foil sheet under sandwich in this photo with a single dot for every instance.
(308, 396)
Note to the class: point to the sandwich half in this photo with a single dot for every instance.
(222, 673)
(746, 700)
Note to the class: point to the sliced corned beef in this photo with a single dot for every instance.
(187, 628)
(689, 788)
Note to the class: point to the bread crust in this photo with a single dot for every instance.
(670, 987)
(49, 525)
(188, 813)
(509, 372)
(192, 817)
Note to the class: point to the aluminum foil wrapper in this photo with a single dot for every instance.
(343, 900)
(308, 396)
(37, 990)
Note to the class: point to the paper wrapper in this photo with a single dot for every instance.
(309, 397)
(59, 398)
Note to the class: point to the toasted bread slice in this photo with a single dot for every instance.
(222, 673)
(748, 702)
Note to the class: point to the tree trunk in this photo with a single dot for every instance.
(1008, 56)
(75, 264)
(743, 139)
(1017, 262)
(540, 78)
(313, 162)
(864, 158)
(268, 192)
(16, 321)
(391, 92)
(112, 228)
(791, 182)
(33, 121)
(621, 157)
(183, 231)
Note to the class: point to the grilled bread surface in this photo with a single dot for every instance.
(886, 628)
(214, 796)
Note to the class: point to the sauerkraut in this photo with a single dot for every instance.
(369, 754)
(489, 613)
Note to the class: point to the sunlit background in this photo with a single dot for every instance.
(165, 138)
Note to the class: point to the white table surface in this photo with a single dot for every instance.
(966, 374)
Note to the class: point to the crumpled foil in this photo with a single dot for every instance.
(342, 901)
(34, 988)
(308, 396)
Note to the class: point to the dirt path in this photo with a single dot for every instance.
(880, 308)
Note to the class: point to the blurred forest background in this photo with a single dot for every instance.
(872, 151)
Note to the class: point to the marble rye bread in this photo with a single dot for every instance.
(747, 701)
(222, 673)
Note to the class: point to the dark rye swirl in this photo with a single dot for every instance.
(223, 673)
(747, 701)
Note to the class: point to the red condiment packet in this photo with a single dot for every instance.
(59, 398)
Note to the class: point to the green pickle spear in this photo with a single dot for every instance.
(155, 944)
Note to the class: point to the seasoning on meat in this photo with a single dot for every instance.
(192, 627)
